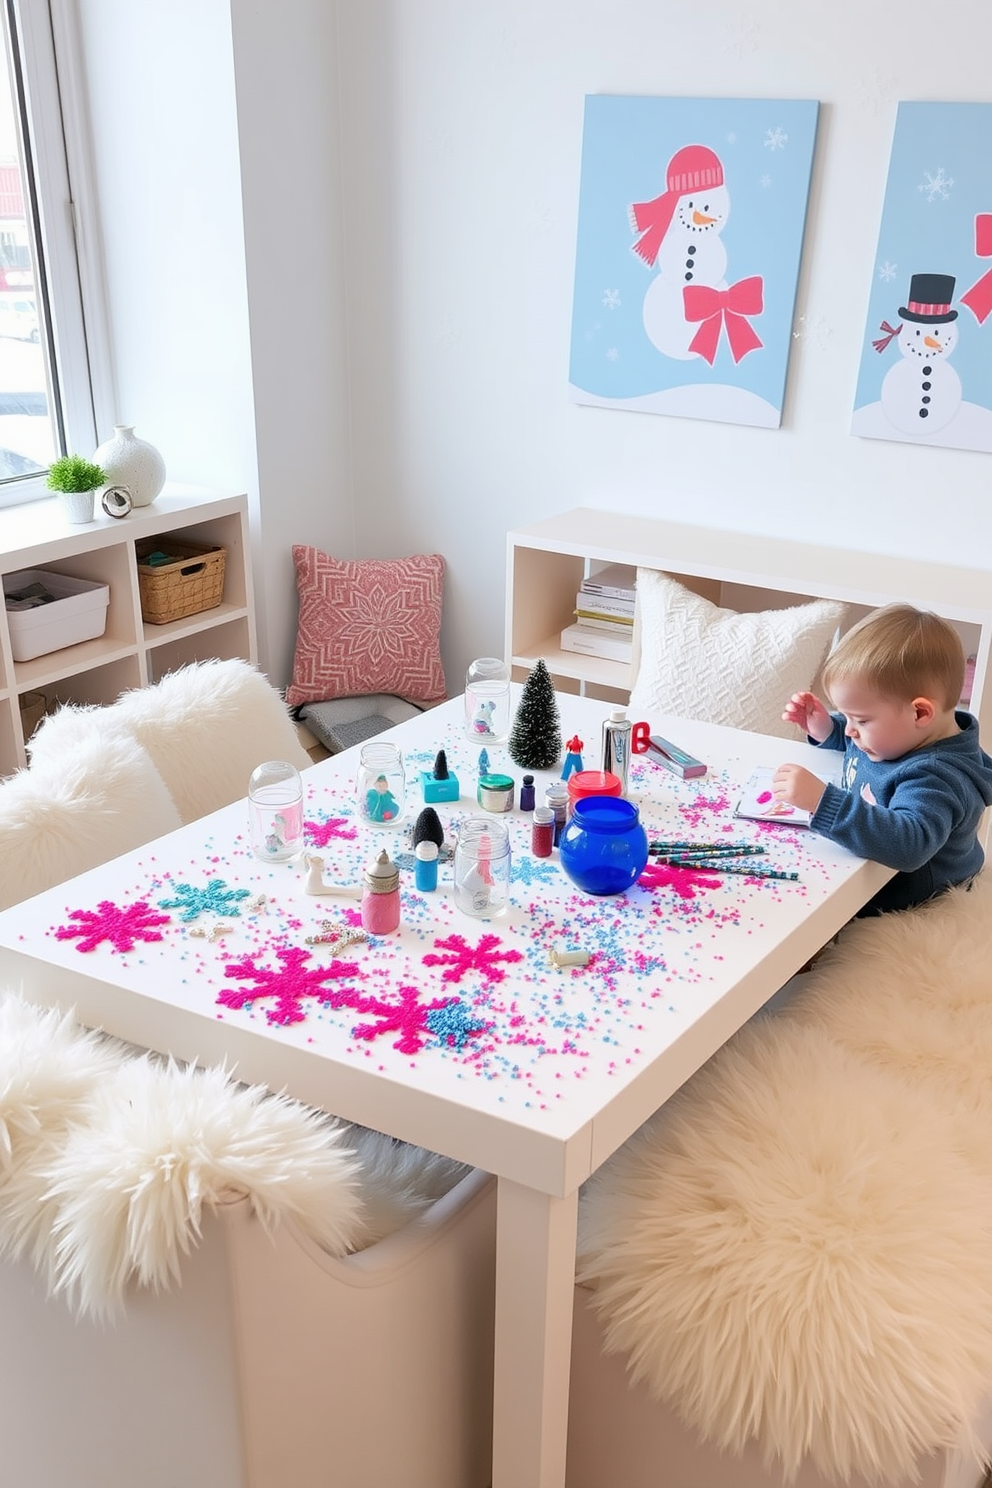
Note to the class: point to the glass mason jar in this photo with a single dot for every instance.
(381, 785)
(487, 701)
(481, 868)
(604, 847)
(275, 811)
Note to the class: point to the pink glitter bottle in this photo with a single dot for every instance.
(381, 896)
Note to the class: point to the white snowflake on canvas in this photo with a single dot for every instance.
(611, 299)
(612, 354)
(775, 139)
(936, 185)
(765, 182)
(887, 271)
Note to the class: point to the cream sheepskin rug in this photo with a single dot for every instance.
(398, 1181)
(205, 728)
(792, 1251)
(160, 1142)
(99, 799)
(49, 1068)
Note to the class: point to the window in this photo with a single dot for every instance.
(46, 400)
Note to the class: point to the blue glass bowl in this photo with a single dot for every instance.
(603, 848)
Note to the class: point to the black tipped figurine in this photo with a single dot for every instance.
(428, 828)
(441, 766)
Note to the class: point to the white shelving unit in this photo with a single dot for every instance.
(130, 653)
(547, 561)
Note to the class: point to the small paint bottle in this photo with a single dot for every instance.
(381, 896)
(556, 797)
(542, 832)
(527, 794)
(425, 868)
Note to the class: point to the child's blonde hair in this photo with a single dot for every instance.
(901, 653)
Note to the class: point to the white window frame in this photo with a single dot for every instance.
(58, 140)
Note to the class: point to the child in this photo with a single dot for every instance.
(915, 781)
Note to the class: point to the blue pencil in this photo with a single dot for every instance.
(721, 866)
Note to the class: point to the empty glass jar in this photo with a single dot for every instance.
(381, 785)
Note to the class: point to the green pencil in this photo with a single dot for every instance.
(720, 866)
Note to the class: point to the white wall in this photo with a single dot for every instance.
(462, 170)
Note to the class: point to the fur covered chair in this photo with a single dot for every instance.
(204, 727)
(786, 1275)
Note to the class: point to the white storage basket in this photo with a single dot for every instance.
(78, 613)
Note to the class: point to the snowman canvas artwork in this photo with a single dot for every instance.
(926, 361)
(691, 219)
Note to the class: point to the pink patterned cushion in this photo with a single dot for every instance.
(371, 626)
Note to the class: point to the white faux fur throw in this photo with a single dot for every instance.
(76, 809)
(205, 727)
(108, 1157)
(796, 1250)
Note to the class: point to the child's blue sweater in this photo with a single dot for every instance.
(918, 814)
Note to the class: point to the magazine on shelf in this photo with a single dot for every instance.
(589, 642)
(605, 605)
(617, 581)
(614, 624)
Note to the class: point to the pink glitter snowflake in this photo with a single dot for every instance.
(290, 984)
(335, 827)
(414, 1021)
(122, 925)
(461, 958)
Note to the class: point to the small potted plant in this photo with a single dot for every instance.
(76, 480)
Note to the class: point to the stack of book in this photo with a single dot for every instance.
(604, 615)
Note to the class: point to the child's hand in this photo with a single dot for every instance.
(805, 710)
(798, 787)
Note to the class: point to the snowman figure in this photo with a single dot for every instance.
(688, 301)
(922, 393)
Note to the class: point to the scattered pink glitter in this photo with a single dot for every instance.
(122, 925)
(684, 881)
(290, 984)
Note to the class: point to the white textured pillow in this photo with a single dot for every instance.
(65, 815)
(701, 661)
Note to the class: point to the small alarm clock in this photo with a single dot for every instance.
(116, 501)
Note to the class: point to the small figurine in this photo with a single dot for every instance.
(573, 757)
(315, 880)
(439, 784)
(482, 719)
(428, 828)
(380, 803)
(483, 761)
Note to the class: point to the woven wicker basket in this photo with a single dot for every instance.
(192, 581)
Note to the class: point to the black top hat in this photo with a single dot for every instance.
(930, 297)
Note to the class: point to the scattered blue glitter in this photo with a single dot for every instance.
(527, 871)
(453, 1025)
(216, 898)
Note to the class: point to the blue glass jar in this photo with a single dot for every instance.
(604, 848)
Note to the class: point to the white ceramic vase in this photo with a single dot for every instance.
(131, 462)
(77, 506)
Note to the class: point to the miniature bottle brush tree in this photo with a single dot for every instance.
(535, 739)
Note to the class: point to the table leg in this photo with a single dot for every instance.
(535, 1276)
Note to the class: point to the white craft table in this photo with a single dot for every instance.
(473, 1046)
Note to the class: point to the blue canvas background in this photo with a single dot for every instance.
(626, 146)
(924, 231)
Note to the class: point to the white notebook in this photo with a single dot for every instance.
(758, 804)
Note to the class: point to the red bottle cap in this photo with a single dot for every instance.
(582, 783)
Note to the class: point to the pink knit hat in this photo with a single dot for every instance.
(693, 168)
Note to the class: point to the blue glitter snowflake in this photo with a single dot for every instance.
(216, 898)
(526, 871)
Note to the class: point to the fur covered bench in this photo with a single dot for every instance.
(792, 1261)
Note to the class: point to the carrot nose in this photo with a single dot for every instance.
(931, 341)
(700, 220)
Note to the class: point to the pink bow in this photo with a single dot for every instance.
(883, 341)
(718, 308)
(979, 296)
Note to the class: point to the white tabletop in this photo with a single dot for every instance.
(457, 1033)
(530, 1072)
